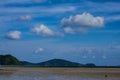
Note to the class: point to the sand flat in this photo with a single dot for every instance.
(41, 73)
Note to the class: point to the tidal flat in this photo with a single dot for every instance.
(46, 73)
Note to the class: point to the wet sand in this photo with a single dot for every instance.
(39, 73)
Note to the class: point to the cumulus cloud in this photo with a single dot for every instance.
(13, 35)
(44, 31)
(39, 50)
(83, 20)
(79, 23)
(24, 18)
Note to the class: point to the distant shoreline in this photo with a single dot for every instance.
(60, 66)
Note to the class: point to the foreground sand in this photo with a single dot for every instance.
(68, 73)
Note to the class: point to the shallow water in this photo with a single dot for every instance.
(60, 74)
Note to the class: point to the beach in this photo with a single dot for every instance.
(46, 73)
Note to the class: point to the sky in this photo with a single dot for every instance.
(84, 31)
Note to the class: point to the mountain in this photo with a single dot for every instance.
(59, 63)
(8, 60)
(11, 60)
(27, 63)
(90, 64)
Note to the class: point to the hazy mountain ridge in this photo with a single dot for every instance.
(54, 63)
(11, 60)
(59, 62)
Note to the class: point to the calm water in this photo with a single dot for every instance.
(55, 75)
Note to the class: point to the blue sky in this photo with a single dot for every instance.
(85, 31)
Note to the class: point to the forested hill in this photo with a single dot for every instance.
(11, 60)
(59, 62)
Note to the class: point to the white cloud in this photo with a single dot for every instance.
(69, 30)
(79, 23)
(39, 50)
(21, 1)
(114, 47)
(108, 31)
(113, 18)
(83, 20)
(59, 9)
(90, 50)
(40, 9)
(13, 35)
(103, 7)
(74, 30)
(24, 18)
(104, 57)
(44, 31)
(40, 1)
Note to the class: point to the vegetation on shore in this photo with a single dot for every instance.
(9, 60)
